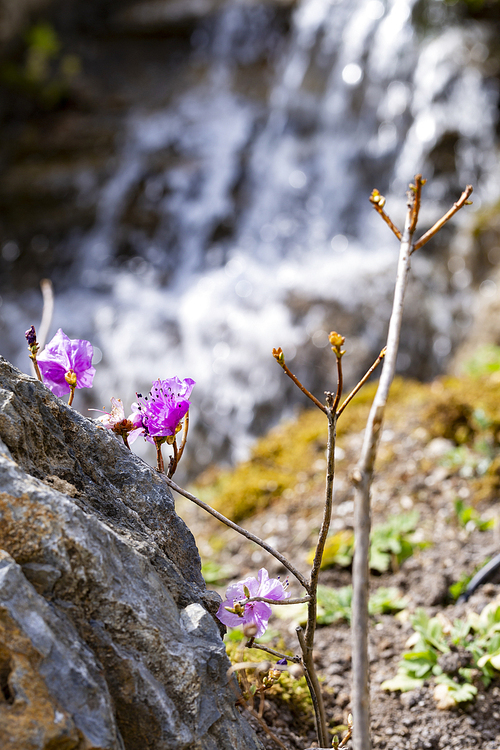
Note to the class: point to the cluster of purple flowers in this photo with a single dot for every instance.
(66, 364)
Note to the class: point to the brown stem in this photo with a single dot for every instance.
(415, 202)
(325, 525)
(362, 381)
(462, 201)
(294, 659)
(160, 466)
(307, 640)
(386, 219)
(71, 395)
(184, 436)
(302, 388)
(340, 384)
(174, 460)
(302, 600)
(37, 369)
(247, 534)
(125, 440)
(314, 688)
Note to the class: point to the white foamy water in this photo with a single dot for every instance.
(358, 101)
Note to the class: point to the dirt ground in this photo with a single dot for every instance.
(410, 475)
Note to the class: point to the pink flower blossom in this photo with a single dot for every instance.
(165, 406)
(66, 357)
(257, 613)
(130, 427)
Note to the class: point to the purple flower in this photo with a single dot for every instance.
(165, 406)
(65, 359)
(235, 611)
(130, 427)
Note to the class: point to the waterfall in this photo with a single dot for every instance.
(234, 223)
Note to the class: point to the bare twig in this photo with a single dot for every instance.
(248, 534)
(273, 652)
(462, 201)
(174, 460)
(340, 384)
(361, 382)
(415, 202)
(302, 600)
(184, 436)
(280, 359)
(362, 477)
(378, 203)
(160, 466)
(314, 687)
(47, 312)
(307, 640)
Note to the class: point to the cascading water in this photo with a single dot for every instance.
(262, 234)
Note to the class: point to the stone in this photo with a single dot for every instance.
(107, 632)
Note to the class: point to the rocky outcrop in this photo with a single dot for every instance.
(107, 640)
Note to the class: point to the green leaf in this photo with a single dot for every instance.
(403, 682)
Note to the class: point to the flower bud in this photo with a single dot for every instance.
(31, 336)
(279, 356)
(336, 339)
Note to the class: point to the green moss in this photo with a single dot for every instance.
(465, 410)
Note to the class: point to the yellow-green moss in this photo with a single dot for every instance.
(465, 410)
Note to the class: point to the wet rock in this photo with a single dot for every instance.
(106, 634)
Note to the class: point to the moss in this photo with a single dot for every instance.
(465, 410)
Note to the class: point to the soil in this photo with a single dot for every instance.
(410, 474)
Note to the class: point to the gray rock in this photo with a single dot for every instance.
(101, 578)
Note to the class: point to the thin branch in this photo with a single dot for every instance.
(184, 436)
(325, 525)
(362, 381)
(160, 466)
(362, 477)
(303, 388)
(462, 201)
(302, 600)
(174, 460)
(378, 203)
(280, 359)
(294, 659)
(314, 687)
(340, 384)
(47, 312)
(307, 640)
(248, 534)
(415, 203)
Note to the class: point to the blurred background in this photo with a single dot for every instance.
(193, 176)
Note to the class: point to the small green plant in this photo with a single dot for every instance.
(391, 544)
(335, 604)
(447, 652)
(470, 519)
